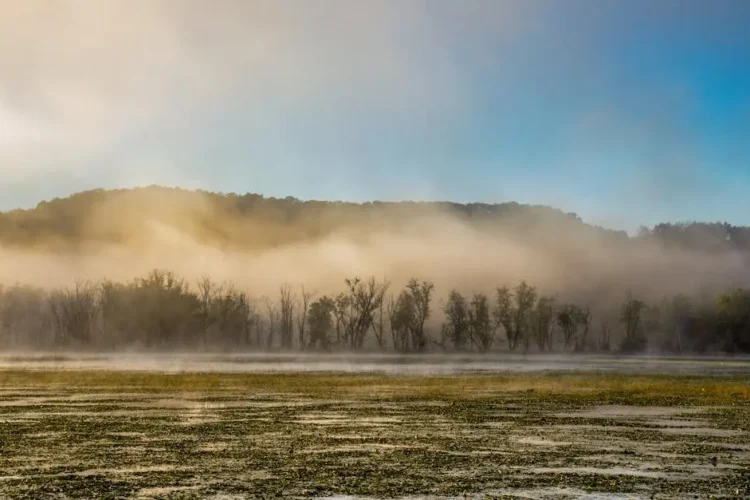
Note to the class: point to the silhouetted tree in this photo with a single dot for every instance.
(504, 315)
(605, 333)
(320, 320)
(356, 308)
(514, 311)
(544, 323)
(408, 314)
(286, 316)
(733, 310)
(401, 318)
(421, 297)
(75, 312)
(630, 316)
(273, 316)
(305, 298)
(482, 329)
(457, 327)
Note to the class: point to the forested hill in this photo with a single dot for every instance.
(252, 220)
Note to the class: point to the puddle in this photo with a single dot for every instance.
(130, 470)
(606, 471)
(536, 441)
(677, 423)
(214, 447)
(324, 419)
(560, 492)
(616, 411)
(358, 448)
(376, 420)
(166, 490)
(702, 431)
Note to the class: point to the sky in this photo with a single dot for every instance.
(627, 113)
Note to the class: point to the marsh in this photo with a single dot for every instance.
(89, 427)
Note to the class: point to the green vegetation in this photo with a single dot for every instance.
(192, 435)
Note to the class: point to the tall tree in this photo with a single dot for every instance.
(286, 316)
(457, 327)
(631, 315)
(482, 329)
(543, 323)
(75, 312)
(421, 297)
(320, 321)
(356, 308)
(305, 298)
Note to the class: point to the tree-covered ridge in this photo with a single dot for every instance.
(234, 220)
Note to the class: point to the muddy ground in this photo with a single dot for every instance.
(559, 434)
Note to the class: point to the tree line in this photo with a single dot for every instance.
(163, 311)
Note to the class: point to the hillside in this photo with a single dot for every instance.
(252, 221)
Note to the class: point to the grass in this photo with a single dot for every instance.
(633, 388)
(114, 434)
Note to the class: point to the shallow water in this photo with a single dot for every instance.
(236, 440)
(202, 444)
(428, 364)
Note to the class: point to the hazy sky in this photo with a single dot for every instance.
(627, 112)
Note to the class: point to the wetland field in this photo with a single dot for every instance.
(217, 426)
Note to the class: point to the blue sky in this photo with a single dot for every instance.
(627, 113)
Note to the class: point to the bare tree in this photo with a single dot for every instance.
(681, 311)
(543, 327)
(421, 296)
(355, 309)
(584, 322)
(207, 292)
(514, 312)
(407, 315)
(344, 313)
(286, 316)
(75, 312)
(251, 320)
(503, 314)
(526, 296)
(305, 298)
(273, 319)
(378, 323)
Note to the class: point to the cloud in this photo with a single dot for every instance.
(83, 77)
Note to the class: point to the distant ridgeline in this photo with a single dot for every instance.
(252, 220)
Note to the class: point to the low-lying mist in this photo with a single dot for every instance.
(124, 234)
(584, 277)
